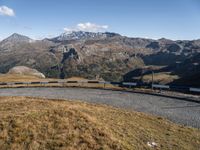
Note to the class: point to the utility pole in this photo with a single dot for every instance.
(152, 81)
(195, 67)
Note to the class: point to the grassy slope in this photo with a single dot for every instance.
(17, 78)
(28, 123)
(162, 77)
(28, 78)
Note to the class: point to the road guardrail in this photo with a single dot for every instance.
(160, 86)
(120, 84)
(195, 90)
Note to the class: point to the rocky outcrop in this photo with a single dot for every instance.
(23, 70)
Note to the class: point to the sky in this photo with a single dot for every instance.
(172, 19)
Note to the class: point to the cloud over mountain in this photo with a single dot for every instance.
(88, 27)
(6, 11)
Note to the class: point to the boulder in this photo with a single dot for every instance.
(23, 70)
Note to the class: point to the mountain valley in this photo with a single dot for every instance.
(104, 56)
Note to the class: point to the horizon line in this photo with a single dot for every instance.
(128, 36)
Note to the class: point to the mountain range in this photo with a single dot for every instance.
(106, 56)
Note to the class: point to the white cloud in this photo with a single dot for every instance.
(69, 29)
(91, 27)
(88, 27)
(6, 11)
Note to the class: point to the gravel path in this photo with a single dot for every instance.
(178, 111)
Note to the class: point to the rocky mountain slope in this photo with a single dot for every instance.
(97, 55)
(15, 39)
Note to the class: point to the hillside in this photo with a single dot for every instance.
(90, 55)
(30, 123)
(179, 73)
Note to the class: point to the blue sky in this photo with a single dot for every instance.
(174, 19)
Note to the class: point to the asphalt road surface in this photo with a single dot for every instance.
(176, 110)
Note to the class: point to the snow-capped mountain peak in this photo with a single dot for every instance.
(82, 35)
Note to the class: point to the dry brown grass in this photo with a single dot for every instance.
(22, 78)
(30, 123)
(163, 77)
(17, 78)
(76, 79)
(29, 78)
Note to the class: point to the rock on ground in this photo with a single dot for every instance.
(23, 70)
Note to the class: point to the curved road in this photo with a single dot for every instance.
(178, 111)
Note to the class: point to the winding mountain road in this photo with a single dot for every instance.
(176, 110)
